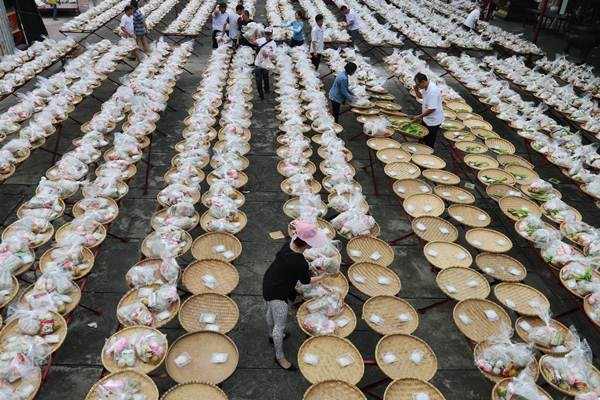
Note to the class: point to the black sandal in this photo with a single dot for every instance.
(292, 367)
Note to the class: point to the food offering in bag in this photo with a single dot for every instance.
(579, 276)
(177, 193)
(532, 227)
(580, 232)
(31, 230)
(85, 229)
(117, 388)
(499, 357)
(559, 212)
(42, 206)
(592, 303)
(15, 254)
(167, 240)
(322, 260)
(63, 188)
(73, 258)
(182, 215)
(547, 335)
(106, 186)
(521, 387)
(148, 305)
(354, 221)
(137, 348)
(554, 251)
(54, 291)
(104, 209)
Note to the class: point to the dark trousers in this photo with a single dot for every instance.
(466, 28)
(294, 43)
(316, 60)
(262, 81)
(214, 39)
(429, 140)
(335, 110)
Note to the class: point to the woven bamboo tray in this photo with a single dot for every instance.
(458, 106)
(201, 346)
(225, 274)
(466, 283)
(553, 194)
(10, 231)
(343, 332)
(368, 247)
(504, 383)
(347, 196)
(471, 147)
(130, 333)
(480, 327)
(478, 124)
(147, 387)
(283, 152)
(491, 176)
(245, 136)
(501, 267)
(333, 390)
(595, 278)
(203, 247)
(406, 389)
(489, 240)
(468, 115)
(523, 175)
(7, 173)
(24, 208)
(328, 186)
(240, 181)
(403, 346)
(441, 176)
(573, 392)
(416, 148)
(480, 161)
(11, 329)
(532, 367)
(389, 308)
(236, 196)
(206, 219)
(459, 136)
(337, 281)
(131, 296)
(187, 239)
(245, 162)
(371, 274)
(498, 191)
(432, 228)
(80, 208)
(452, 125)
(513, 159)
(11, 295)
(322, 224)
(500, 146)
(328, 349)
(314, 186)
(87, 259)
(444, 255)
(484, 133)
(74, 294)
(66, 229)
(454, 194)
(470, 216)
(322, 152)
(428, 161)
(156, 223)
(194, 195)
(290, 207)
(194, 390)
(383, 143)
(226, 312)
(421, 204)
(407, 187)
(519, 297)
(535, 322)
(310, 168)
(402, 170)
(516, 203)
(393, 155)
(197, 176)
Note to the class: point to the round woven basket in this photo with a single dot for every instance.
(11, 330)
(347, 196)
(513, 159)
(290, 208)
(480, 161)
(224, 309)
(383, 143)
(523, 175)
(490, 176)
(206, 219)
(462, 283)
(200, 346)
(240, 181)
(407, 389)
(573, 392)
(512, 204)
(484, 133)
(66, 229)
(79, 208)
(245, 136)
(535, 322)
(478, 124)
(454, 194)
(329, 349)
(245, 147)
(87, 259)
(422, 204)
(236, 196)
(407, 187)
(131, 296)
(225, 274)
(282, 152)
(341, 331)
(187, 391)
(322, 224)
(520, 298)
(458, 106)
(501, 267)
(553, 194)
(187, 239)
(74, 294)
(441, 176)
(7, 173)
(11, 295)
(371, 250)
(389, 309)
(146, 385)
(500, 146)
(322, 152)
(416, 148)
(329, 187)
(393, 155)
(403, 347)
(444, 255)
(504, 383)
(333, 390)
(480, 327)
(402, 170)
(372, 275)
(595, 278)
(471, 147)
(22, 211)
(459, 136)
(489, 240)
(428, 161)
(498, 191)
(47, 235)
(434, 229)
(532, 367)
(156, 223)
(205, 247)
(245, 162)
(470, 216)
(452, 125)
(131, 333)
(314, 186)
(338, 282)
(194, 195)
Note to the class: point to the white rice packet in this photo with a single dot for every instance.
(228, 254)
(375, 256)
(218, 248)
(459, 218)
(376, 319)
(420, 226)
(401, 189)
(52, 339)
(144, 292)
(510, 303)
(213, 327)
(183, 359)
(208, 318)
(514, 271)
(389, 358)
(488, 270)
(164, 315)
(209, 281)
(404, 317)
(345, 360)
(311, 359)
(461, 255)
(464, 318)
(219, 358)
(525, 325)
(384, 280)
(427, 208)
(501, 242)
(355, 253)
(476, 242)
(491, 315)
(432, 252)
(420, 396)
(416, 357)
(482, 217)
(359, 278)
(342, 321)
(451, 289)
(472, 283)
(410, 208)
(424, 189)
(444, 230)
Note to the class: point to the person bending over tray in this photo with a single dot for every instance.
(432, 109)
(280, 279)
(219, 21)
(340, 90)
(297, 28)
(265, 55)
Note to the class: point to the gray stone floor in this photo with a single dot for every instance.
(77, 364)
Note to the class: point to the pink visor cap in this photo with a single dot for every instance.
(309, 233)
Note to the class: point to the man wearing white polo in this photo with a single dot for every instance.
(432, 109)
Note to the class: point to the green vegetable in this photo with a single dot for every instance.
(541, 196)
(499, 150)
(519, 176)
(489, 179)
(518, 213)
(473, 148)
(479, 164)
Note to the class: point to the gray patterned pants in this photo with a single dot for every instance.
(277, 311)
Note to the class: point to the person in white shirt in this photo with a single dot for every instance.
(432, 109)
(317, 43)
(219, 20)
(471, 20)
(127, 22)
(265, 55)
(352, 23)
(233, 28)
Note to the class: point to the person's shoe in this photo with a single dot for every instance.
(285, 336)
(262, 97)
(285, 364)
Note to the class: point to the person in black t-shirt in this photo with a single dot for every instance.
(243, 21)
(280, 279)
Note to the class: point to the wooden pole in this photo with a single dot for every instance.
(538, 26)
(7, 42)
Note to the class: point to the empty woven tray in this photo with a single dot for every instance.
(420, 204)
(405, 348)
(333, 390)
(491, 176)
(446, 254)
(407, 187)
(389, 315)
(428, 161)
(407, 389)
(216, 246)
(488, 240)
(402, 170)
(524, 325)
(187, 391)
(434, 229)
(498, 191)
(208, 311)
(345, 321)
(520, 298)
(383, 143)
(470, 216)
(516, 208)
(462, 283)
(501, 267)
(454, 194)
(373, 279)
(477, 326)
(416, 148)
(226, 277)
(393, 155)
(513, 159)
(371, 250)
(441, 176)
(459, 136)
(480, 161)
(330, 353)
(145, 384)
(131, 333)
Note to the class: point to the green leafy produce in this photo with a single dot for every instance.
(411, 128)
(473, 148)
(518, 176)
(518, 213)
(500, 150)
(491, 180)
(541, 196)
(479, 164)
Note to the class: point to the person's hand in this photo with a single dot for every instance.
(415, 118)
(416, 88)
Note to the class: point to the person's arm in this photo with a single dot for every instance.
(429, 108)
(297, 28)
(346, 92)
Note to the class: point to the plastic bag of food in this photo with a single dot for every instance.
(149, 347)
(522, 386)
(329, 304)
(503, 358)
(318, 324)
(136, 314)
(546, 335)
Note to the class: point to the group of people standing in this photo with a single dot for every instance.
(133, 25)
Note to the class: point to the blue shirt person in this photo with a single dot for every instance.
(340, 90)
